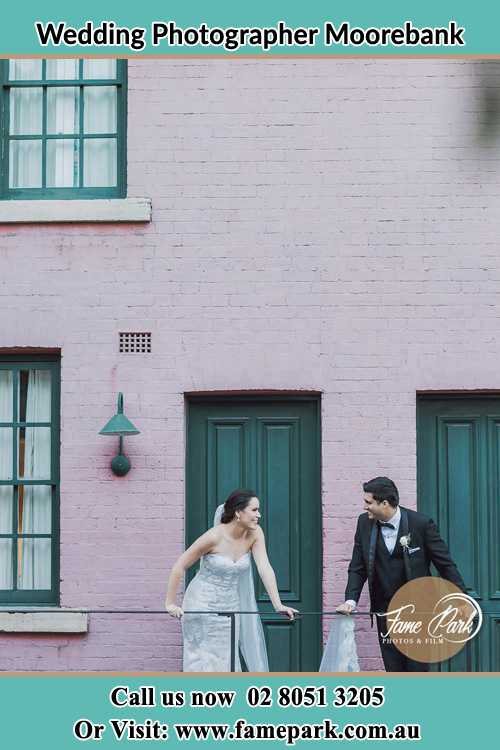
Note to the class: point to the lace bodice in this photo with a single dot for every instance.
(217, 587)
(221, 570)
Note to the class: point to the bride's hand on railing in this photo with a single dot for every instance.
(290, 612)
(174, 610)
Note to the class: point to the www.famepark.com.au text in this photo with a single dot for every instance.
(291, 733)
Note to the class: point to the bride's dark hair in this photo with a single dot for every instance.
(237, 500)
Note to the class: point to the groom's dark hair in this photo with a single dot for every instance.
(383, 488)
(237, 500)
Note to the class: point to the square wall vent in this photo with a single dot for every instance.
(135, 342)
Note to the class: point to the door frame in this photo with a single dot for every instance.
(438, 395)
(270, 396)
(482, 647)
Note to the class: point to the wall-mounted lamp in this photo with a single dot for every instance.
(120, 425)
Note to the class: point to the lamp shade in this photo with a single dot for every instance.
(119, 424)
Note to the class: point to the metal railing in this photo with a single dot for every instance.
(231, 614)
(268, 615)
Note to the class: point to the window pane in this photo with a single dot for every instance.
(25, 70)
(58, 70)
(99, 69)
(5, 564)
(34, 452)
(34, 509)
(33, 564)
(6, 496)
(26, 111)
(63, 163)
(99, 166)
(99, 109)
(25, 159)
(63, 110)
(5, 453)
(5, 396)
(34, 395)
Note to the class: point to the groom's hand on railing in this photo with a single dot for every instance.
(347, 608)
(174, 610)
(290, 612)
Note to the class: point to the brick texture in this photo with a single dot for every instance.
(317, 224)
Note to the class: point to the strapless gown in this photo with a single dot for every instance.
(207, 638)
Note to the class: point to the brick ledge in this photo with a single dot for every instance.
(76, 211)
(52, 621)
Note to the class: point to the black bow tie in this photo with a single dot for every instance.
(387, 524)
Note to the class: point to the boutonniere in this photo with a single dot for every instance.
(405, 542)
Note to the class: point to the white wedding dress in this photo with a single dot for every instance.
(340, 654)
(222, 585)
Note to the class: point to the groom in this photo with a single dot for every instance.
(379, 556)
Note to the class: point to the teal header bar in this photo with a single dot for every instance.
(258, 28)
(431, 711)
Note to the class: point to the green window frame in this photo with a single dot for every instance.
(47, 132)
(14, 539)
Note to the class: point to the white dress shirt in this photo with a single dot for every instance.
(390, 536)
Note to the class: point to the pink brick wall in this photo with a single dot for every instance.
(320, 224)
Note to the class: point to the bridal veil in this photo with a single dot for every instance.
(252, 643)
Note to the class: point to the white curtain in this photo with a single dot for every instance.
(99, 68)
(62, 154)
(26, 111)
(25, 70)
(5, 473)
(26, 155)
(99, 109)
(63, 118)
(99, 162)
(34, 555)
(62, 69)
(100, 116)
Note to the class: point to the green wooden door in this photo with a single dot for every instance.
(458, 485)
(270, 445)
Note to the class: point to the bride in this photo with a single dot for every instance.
(224, 582)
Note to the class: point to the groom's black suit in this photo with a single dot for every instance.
(387, 572)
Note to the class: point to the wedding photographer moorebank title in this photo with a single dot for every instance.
(231, 39)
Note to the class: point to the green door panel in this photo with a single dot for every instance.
(270, 445)
(458, 464)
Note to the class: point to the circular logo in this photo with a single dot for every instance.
(430, 619)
